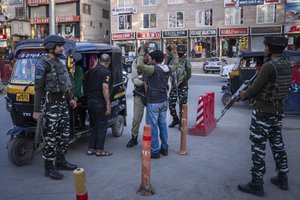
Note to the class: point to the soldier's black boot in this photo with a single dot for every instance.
(51, 171)
(281, 180)
(62, 164)
(174, 122)
(133, 141)
(253, 187)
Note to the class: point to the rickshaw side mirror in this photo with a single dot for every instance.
(77, 57)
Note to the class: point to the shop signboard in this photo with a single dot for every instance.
(124, 10)
(123, 36)
(175, 34)
(292, 29)
(60, 19)
(231, 3)
(203, 32)
(43, 2)
(266, 30)
(272, 1)
(292, 11)
(233, 31)
(148, 35)
(250, 2)
(3, 36)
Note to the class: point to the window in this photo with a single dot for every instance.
(149, 21)
(125, 22)
(204, 17)
(149, 2)
(266, 14)
(233, 16)
(176, 19)
(86, 8)
(19, 12)
(105, 14)
(175, 1)
(124, 3)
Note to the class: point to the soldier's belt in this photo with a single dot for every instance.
(57, 96)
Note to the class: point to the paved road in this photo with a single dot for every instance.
(211, 171)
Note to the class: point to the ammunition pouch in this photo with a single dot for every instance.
(138, 91)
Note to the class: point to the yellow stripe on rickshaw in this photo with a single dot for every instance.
(14, 89)
(119, 95)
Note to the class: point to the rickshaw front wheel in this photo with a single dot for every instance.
(20, 150)
(118, 127)
(226, 98)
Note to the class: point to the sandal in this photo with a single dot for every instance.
(103, 153)
(90, 152)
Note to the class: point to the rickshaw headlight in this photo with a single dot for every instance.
(8, 106)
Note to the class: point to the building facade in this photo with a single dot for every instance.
(207, 27)
(84, 20)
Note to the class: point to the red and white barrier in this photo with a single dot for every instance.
(205, 118)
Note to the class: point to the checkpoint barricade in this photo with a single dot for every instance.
(205, 118)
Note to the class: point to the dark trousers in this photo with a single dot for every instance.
(98, 122)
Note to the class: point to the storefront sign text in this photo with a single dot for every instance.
(251, 2)
(292, 29)
(233, 31)
(272, 1)
(148, 35)
(61, 19)
(203, 32)
(266, 30)
(42, 2)
(174, 34)
(123, 36)
(123, 10)
(231, 3)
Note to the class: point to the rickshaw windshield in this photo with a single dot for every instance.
(24, 70)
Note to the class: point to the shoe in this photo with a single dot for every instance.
(103, 153)
(155, 155)
(132, 142)
(164, 152)
(62, 164)
(281, 180)
(51, 171)
(255, 188)
(174, 122)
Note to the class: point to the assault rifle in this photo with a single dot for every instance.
(236, 96)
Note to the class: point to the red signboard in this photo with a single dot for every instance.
(272, 1)
(294, 29)
(61, 19)
(42, 2)
(123, 36)
(148, 35)
(233, 31)
(3, 36)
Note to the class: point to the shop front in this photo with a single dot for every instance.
(257, 35)
(203, 43)
(233, 41)
(67, 26)
(152, 37)
(178, 37)
(291, 31)
(126, 41)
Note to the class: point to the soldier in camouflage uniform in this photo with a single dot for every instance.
(268, 91)
(179, 89)
(53, 86)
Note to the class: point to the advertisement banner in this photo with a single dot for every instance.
(231, 3)
(292, 11)
(123, 36)
(251, 2)
(148, 35)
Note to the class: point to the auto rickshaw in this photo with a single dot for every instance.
(244, 69)
(20, 94)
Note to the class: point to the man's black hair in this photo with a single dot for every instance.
(157, 55)
(139, 50)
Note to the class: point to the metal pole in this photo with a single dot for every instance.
(52, 17)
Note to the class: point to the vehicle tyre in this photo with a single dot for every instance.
(118, 127)
(20, 150)
(226, 98)
(205, 71)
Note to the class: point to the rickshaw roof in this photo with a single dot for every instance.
(89, 47)
(291, 53)
(252, 54)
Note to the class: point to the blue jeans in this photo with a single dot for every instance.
(157, 118)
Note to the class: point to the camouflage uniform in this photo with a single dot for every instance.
(268, 91)
(55, 110)
(180, 91)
